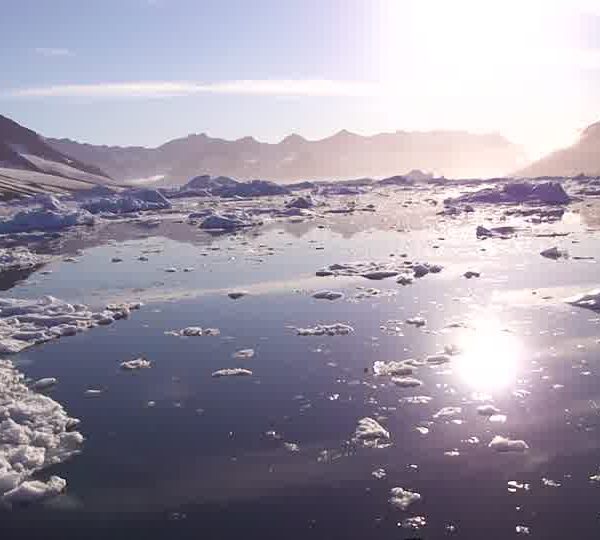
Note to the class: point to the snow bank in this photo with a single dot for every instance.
(35, 433)
(371, 434)
(133, 200)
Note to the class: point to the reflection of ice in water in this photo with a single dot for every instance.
(490, 357)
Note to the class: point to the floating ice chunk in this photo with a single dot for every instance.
(548, 482)
(335, 329)
(497, 418)
(34, 434)
(554, 253)
(301, 202)
(132, 200)
(35, 490)
(45, 219)
(328, 295)
(235, 295)
(404, 279)
(24, 323)
(171, 270)
(471, 274)
(515, 193)
(487, 410)
(522, 529)
(371, 434)
(93, 392)
(437, 359)
(416, 321)
(244, 354)
(116, 260)
(513, 486)
(503, 444)
(226, 223)
(138, 363)
(194, 331)
(448, 412)
(392, 368)
(231, 372)
(380, 474)
(590, 300)
(44, 384)
(406, 382)
(380, 274)
(494, 232)
(19, 258)
(417, 400)
(420, 270)
(403, 498)
(291, 447)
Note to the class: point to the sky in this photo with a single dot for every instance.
(142, 72)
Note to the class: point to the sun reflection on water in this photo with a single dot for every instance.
(489, 358)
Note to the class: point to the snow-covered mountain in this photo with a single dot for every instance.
(454, 154)
(29, 165)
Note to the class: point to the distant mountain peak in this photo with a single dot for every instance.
(292, 139)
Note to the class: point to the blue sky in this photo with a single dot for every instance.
(145, 71)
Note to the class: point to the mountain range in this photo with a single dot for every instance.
(454, 154)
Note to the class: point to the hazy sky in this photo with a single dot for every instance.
(145, 71)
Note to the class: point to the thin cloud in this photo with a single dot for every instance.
(53, 51)
(161, 89)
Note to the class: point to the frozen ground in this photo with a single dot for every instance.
(360, 385)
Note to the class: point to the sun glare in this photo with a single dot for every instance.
(490, 358)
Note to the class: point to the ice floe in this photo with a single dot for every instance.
(402, 498)
(393, 368)
(328, 295)
(244, 354)
(590, 300)
(554, 253)
(416, 321)
(137, 363)
(128, 201)
(406, 382)
(19, 258)
(27, 322)
(194, 331)
(35, 433)
(335, 329)
(236, 295)
(371, 434)
(516, 193)
(231, 372)
(504, 444)
(45, 383)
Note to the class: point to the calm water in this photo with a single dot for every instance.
(199, 463)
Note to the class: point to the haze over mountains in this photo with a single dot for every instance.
(454, 154)
(581, 158)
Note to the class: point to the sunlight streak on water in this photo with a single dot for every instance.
(490, 357)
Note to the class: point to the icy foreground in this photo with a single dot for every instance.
(24, 323)
(35, 433)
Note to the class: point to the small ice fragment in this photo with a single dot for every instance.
(414, 523)
(513, 486)
(522, 529)
(497, 418)
(392, 368)
(504, 444)
(404, 279)
(380, 474)
(407, 382)
(244, 354)
(422, 430)
(93, 392)
(447, 412)
(471, 274)
(235, 295)
(171, 270)
(437, 359)
(45, 383)
(416, 321)
(487, 410)
(328, 295)
(335, 329)
(371, 433)
(291, 447)
(231, 372)
(554, 253)
(380, 274)
(138, 363)
(547, 482)
(420, 270)
(403, 498)
(116, 260)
